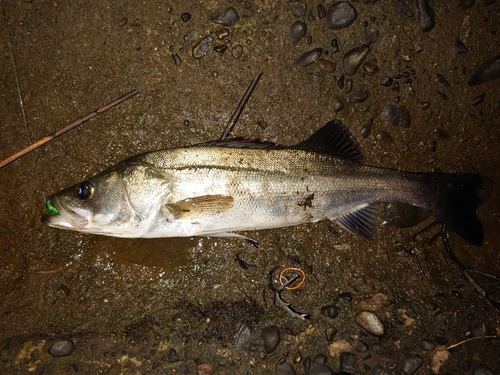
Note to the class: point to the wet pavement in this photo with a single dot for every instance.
(89, 304)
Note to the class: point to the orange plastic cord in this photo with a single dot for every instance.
(293, 269)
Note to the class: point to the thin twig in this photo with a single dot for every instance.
(239, 109)
(67, 128)
(470, 339)
(467, 274)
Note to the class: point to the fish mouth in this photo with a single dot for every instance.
(64, 216)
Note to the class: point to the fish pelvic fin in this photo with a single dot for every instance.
(459, 195)
(333, 139)
(362, 221)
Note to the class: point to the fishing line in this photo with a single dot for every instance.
(21, 102)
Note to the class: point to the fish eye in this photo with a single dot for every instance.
(85, 190)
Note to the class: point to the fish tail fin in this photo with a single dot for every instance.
(459, 195)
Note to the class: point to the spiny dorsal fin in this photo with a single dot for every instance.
(333, 139)
(362, 221)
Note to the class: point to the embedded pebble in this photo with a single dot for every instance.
(204, 369)
(177, 60)
(330, 333)
(297, 31)
(309, 57)
(62, 348)
(284, 368)
(190, 35)
(460, 47)
(379, 370)
(338, 105)
(327, 65)
(320, 359)
(321, 11)
(185, 17)
(300, 7)
(386, 81)
(365, 130)
(271, 337)
(221, 48)
(357, 96)
(370, 323)
(352, 59)
(487, 71)
(237, 51)
(347, 362)
(397, 115)
(202, 47)
(360, 346)
(425, 15)
(403, 8)
(385, 137)
(318, 369)
(335, 46)
(410, 363)
(330, 311)
(370, 68)
(340, 15)
(228, 17)
(427, 344)
(346, 296)
(173, 356)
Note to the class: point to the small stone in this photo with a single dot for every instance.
(340, 15)
(173, 356)
(190, 35)
(318, 369)
(360, 346)
(221, 48)
(321, 11)
(62, 348)
(338, 105)
(403, 8)
(352, 59)
(466, 365)
(370, 323)
(284, 368)
(327, 65)
(357, 96)
(204, 369)
(365, 130)
(237, 51)
(222, 33)
(177, 60)
(460, 47)
(309, 57)
(385, 137)
(397, 115)
(320, 359)
(487, 71)
(427, 344)
(123, 21)
(202, 47)
(379, 370)
(442, 95)
(425, 15)
(330, 333)
(228, 17)
(300, 7)
(297, 31)
(386, 81)
(185, 17)
(335, 46)
(346, 296)
(271, 337)
(347, 362)
(410, 363)
(330, 311)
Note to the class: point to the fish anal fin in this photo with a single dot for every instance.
(333, 139)
(206, 205)
(362, 221)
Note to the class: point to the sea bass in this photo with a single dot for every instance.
(217, 188)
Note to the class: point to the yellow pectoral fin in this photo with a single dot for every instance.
(206, 205)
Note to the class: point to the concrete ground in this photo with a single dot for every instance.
(125, 303)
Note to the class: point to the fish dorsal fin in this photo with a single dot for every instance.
(241, 142)
(362, 221)
(333, 139)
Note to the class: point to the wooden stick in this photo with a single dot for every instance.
(90, 116)
(239, 109)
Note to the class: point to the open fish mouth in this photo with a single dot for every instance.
(63, 216)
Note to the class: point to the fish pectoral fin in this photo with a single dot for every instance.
(206, 205)
(362, 221)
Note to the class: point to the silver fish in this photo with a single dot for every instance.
(217, 188)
